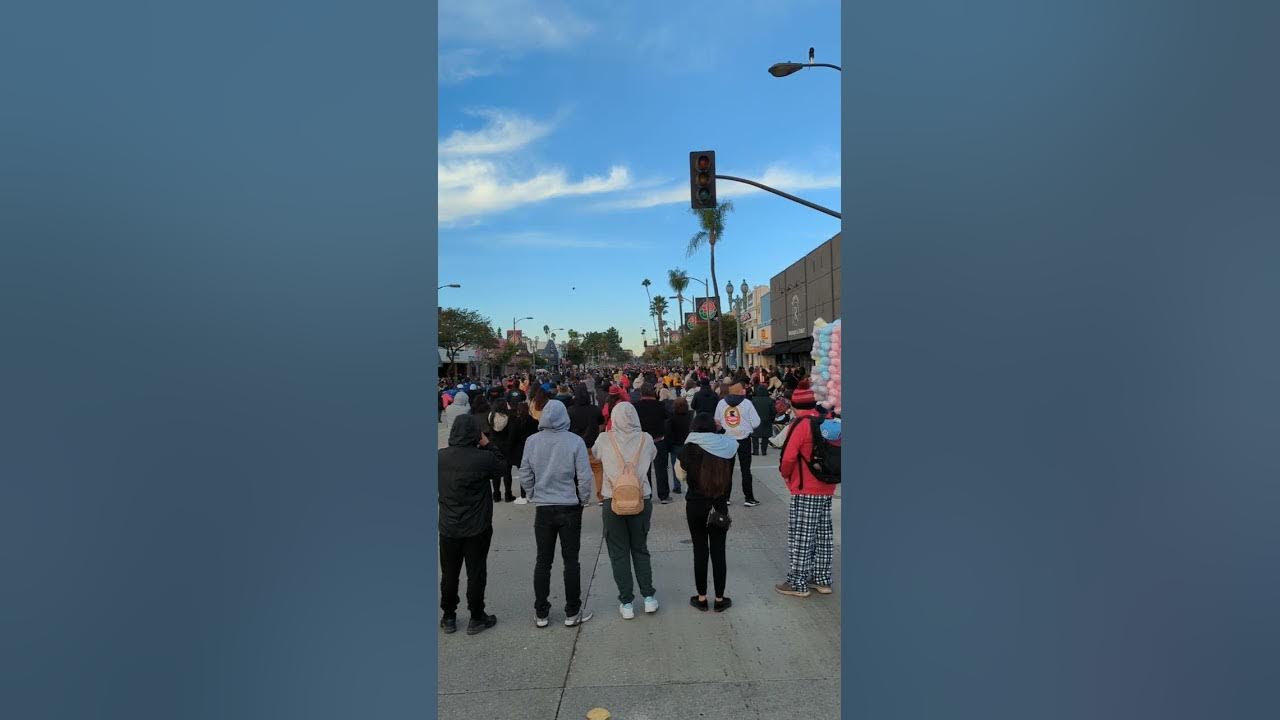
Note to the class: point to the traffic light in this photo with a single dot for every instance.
(702, 179)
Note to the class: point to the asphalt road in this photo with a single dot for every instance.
(769, 656)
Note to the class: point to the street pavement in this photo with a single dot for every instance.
(769, 656)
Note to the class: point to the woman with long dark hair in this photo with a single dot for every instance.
(706, 464)
(500, 425)
(522, 427)
(678, 425)
(537, 400)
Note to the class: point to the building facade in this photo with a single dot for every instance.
(807, 290)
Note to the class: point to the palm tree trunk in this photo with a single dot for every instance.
(715, 289)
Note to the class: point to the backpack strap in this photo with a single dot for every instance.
(614, 439)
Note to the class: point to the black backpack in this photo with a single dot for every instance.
(825, 462)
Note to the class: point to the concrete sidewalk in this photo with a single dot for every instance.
(768, 656)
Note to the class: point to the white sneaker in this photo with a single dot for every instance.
(542, 622)
(627, 611)
(651, 604)
(521, 501)
(578, 619)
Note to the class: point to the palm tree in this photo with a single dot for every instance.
(658, 307)
(678, 280)
(546, 330)
(712, 223)
(647, 282)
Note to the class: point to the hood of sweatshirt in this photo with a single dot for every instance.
(554, 417)
(734, 400)
(465, 431)
(461, 399)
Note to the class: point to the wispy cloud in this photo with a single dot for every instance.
(775, 176)
(479, 38)
(511, 24)
(474, 187)
(504, 133)
(461, 65)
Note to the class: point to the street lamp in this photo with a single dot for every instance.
(745, 289)
(450, 285)
(728, 288)
(784, 69)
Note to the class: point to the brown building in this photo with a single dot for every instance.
(807, 290)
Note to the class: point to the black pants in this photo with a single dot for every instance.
(744, 462)
(474, 553)
(706, 542)
(663, 486)
(563, 522)
(499, 483)
(760, 444)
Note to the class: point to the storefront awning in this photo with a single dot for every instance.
(791, 347)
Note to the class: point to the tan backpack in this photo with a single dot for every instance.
(628, 493)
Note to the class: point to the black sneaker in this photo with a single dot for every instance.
(723, 604)
(449, 623)
(678, 490)
(700, 604)
(497, 497)
(477, 626)
(664, 501)
(751, 503)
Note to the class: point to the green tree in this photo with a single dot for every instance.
(694, 342)
(712, 223)
(658, 306)
(539, 361)
(461, 329)
(575, 354)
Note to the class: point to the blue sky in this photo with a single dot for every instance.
(565, 129)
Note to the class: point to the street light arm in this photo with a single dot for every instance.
(837, 67)
(775, 191)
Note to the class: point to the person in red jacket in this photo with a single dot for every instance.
(810, 535)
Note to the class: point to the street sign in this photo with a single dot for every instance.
(691, 321)
(708, 307)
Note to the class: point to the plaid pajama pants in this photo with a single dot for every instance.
(810, 540)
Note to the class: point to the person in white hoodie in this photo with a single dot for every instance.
(739, 419)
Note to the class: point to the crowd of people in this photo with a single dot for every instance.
(624, 439)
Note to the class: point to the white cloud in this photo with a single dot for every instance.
(505, 132)
(775, 176)
(474, 187)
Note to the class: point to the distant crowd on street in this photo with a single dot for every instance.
(619, 438)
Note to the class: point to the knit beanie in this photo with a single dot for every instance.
(802, 398)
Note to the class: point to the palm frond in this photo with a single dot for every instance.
(695, 243)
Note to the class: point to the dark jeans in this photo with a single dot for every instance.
(707, 542)
(474, 553)
(661, 486)
(563, 522)
(744, 462)
(627, 537)
(760, 444)
(673, 455)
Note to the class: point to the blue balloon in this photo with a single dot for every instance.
(826, 375)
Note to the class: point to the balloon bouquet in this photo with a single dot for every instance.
(826, 369)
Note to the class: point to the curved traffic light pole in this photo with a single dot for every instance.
(792, 198)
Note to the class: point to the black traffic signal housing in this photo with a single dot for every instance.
(702, 180)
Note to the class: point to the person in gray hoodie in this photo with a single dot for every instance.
(555, 473)
(461, 405)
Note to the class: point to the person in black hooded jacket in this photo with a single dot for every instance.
(705, 400)
(584, 421)
(466, 468)
(764, 408)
